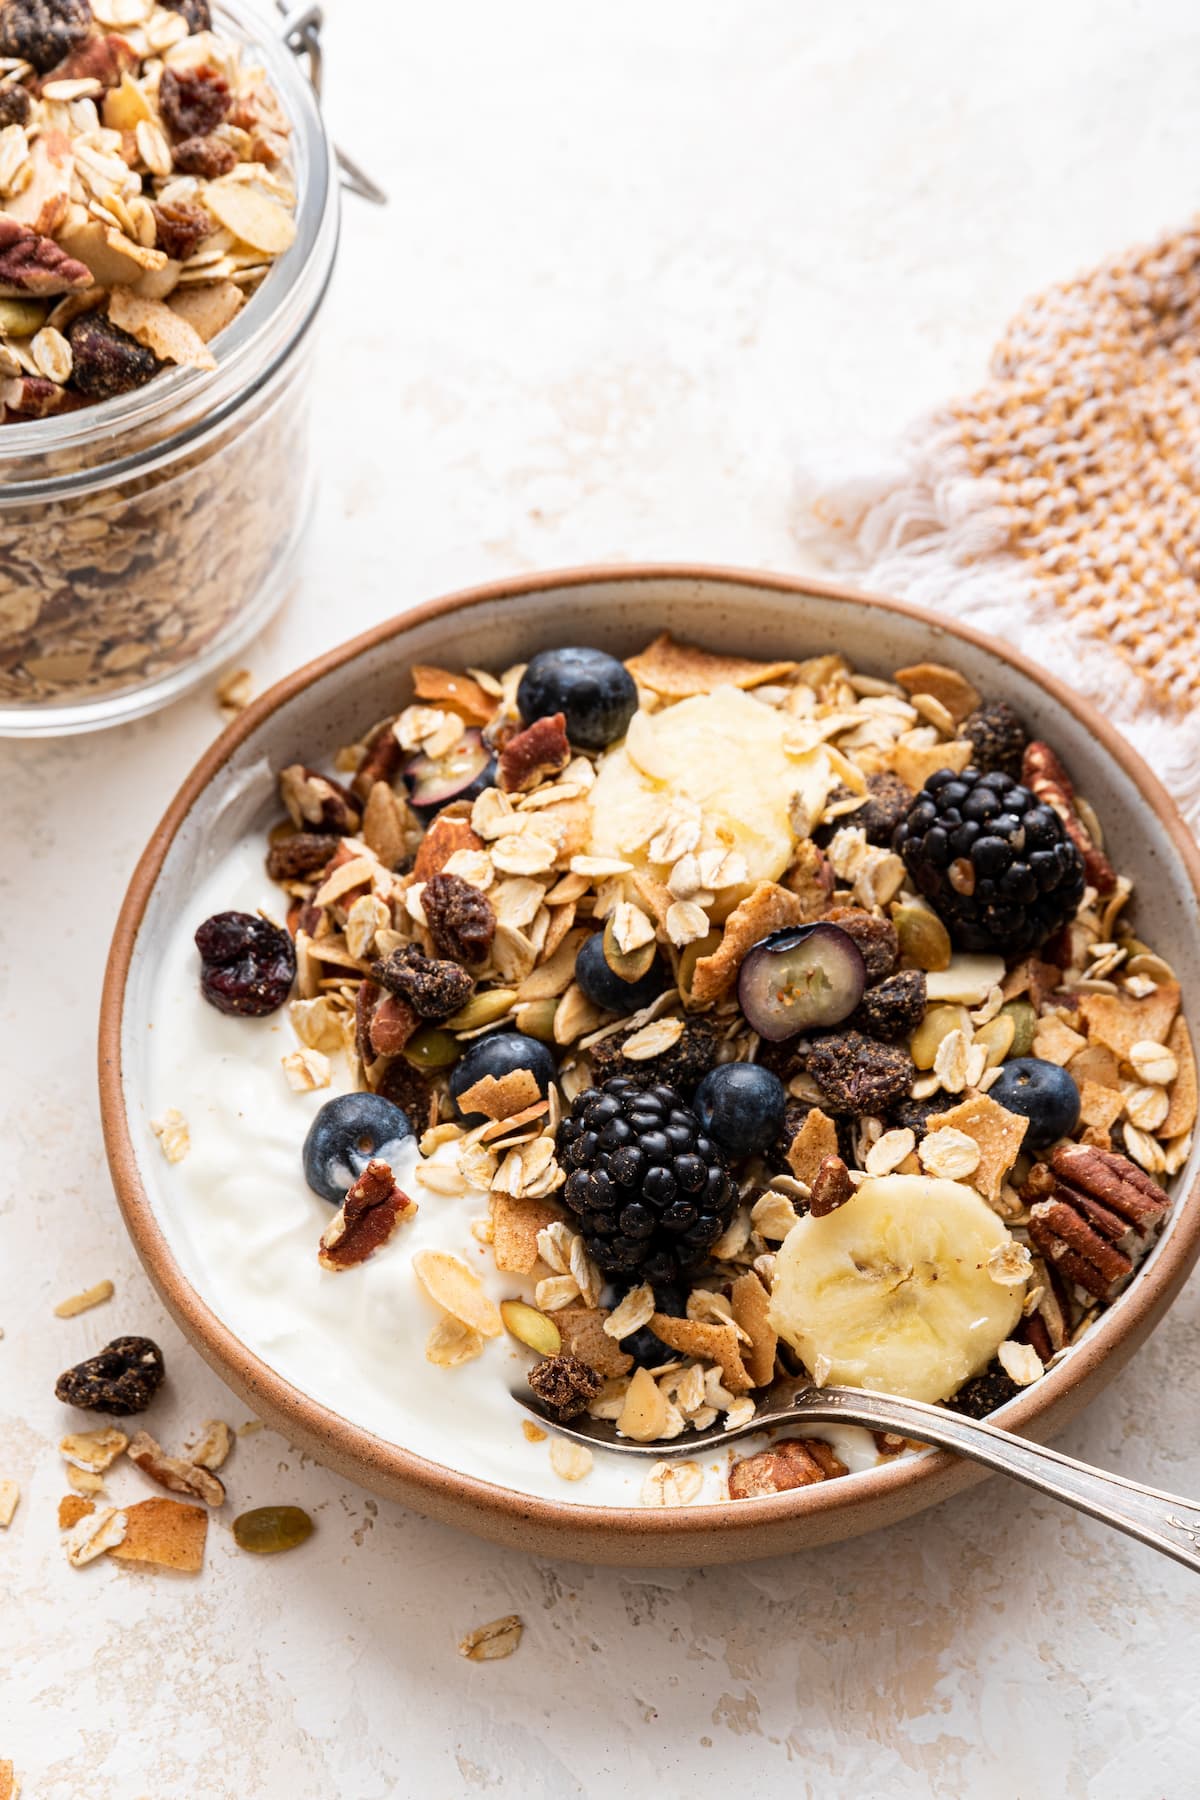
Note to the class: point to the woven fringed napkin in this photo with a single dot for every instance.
(1059, 507)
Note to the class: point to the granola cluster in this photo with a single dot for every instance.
(420, 935)
(145, 192)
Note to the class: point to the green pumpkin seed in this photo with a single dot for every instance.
(432, 1048)
(924, 940)
(482, 1009)
(536, 1019)
(266, 1529)
(1024, 1025)
(627, 965)
(531, 1327)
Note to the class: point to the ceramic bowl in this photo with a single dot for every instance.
(325, 705)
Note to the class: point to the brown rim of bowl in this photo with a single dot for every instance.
(352, 1443)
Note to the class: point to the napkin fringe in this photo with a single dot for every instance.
(917, 523)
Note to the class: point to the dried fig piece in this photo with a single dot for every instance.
(122, 1379)
(43, 32)
(180, 227)
(462, 922)
(107, 360)
(434, 989)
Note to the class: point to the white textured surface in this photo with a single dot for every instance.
(636, 258)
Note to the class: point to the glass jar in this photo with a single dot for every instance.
(144, 539)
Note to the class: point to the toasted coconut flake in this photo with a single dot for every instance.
(677, 671)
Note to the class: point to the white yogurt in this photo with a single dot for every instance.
(245, 1228)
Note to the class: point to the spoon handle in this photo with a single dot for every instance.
(1164, 1521)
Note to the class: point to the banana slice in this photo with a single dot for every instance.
(725, 753)
(893, 1291)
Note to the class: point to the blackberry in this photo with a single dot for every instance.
(996, 866)
(998, 736)
(648, 1187)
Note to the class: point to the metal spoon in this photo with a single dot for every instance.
(1164, 1521)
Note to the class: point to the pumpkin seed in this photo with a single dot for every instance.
(266, 1529)
(937, 1024)
(536, 1019)
(924, 940)
(627, 965)
(531, 1327)
(482, 1009)
(432, 1048)
(1024, 1020)
(997, 1037)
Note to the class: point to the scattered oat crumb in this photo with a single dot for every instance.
(235, 690)
(488, 1643)
(79, 1303)
(10, 1787)
(172, 1134)
(10, 1494)
(533, 1432)
(249, 1427)
(1020, 1362)
(306, 1069)
(569, 1460)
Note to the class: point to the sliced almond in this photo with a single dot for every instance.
(452, 1285)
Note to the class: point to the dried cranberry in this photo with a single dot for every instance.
(180, 227)
(193, 101)
(15, 106)
(204, 156)
(195, 12)
(43, 32)
(248, 964)
(106, 360)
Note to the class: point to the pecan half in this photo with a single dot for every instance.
(1048, 781)
(313, 799)
(534, 754)
(789, 1463)
(30, 264)
(366, 1219)
(1093, 1216)
(175, 1472)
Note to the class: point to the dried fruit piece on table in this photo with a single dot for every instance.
(106, 360)
(433, 988)
(248, 964)
(462, 922)
(564, 1385)
(175, 1472)
(122, 1378)
(268, 1529)
(366, 1219)
(490, 1642)
(168, 1534)
(31, 265)
(43, 32)
(789, 1463)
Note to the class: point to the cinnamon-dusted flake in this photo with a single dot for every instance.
(764, 910)
(1119, 1021)
(948, 687)
(175, 1472)
(516, 1222)
(1099, 1107)
(168, 1534)
(813, 1143)
(998, 1133)
(159, 329)
(751, 1304)
(444, 838)
(459, 693)
(709, 1343)
(366, 1219)
(1181, 1114)
(534, 755)
(676, 671)
(583, 1336)
(501, 1097)
(72, 1508)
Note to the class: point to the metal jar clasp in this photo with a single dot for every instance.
(301, 32)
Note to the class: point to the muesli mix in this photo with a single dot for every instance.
(780, 1015)
(146, 189)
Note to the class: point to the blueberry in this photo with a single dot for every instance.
(498, 1054)
(345, 1136)
(594, 691)
(1042, 1093)
(741, 1105)
(604, 987)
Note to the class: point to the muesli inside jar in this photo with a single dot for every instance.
(148, 186)
(658, 1027)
